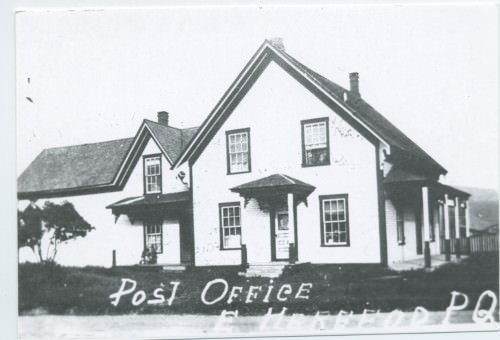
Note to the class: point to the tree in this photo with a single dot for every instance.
(56, 223)
(29, 229)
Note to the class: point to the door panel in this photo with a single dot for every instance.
(282, 235)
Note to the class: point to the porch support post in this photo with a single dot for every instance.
(467, 219)
(467, 225)
(426, 225)
(457, 227)
(242, 219)
(447, 253)
(291, 221)
(244, 230)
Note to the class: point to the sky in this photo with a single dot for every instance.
(90, 76)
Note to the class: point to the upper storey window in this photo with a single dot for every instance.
(315, 143)
(238, 151)
(152, 174)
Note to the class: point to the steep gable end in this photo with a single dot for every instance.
(359, 114)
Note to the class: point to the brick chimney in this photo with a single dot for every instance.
(354, 81)
(278, 43)
(163, 118)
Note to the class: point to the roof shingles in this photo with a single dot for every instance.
(74, 166)
(371, 117)
(79, 167)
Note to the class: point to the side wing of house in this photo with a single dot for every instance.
(146, 209)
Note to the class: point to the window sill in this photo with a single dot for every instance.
(230, 248)
(314, 165)
(336, 245)
(238, 173)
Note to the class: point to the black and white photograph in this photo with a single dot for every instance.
(257, 171)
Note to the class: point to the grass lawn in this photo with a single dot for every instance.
(85, 291)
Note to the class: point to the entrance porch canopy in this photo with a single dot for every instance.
(141, 207)
(272, 187)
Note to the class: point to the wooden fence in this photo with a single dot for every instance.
(483, 243)
(479, 243)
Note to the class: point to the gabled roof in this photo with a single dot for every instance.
(96, 167)
(398, 141)
(355, 109)
(173, 197)
(397, 174)
(170, 138)
(275, 181)
(274, 188)
(70, 167)
(143, 207)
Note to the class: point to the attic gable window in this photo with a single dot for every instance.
(152, 174)
(315, 142)
(238, 151)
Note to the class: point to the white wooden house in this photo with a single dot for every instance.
(288, 167)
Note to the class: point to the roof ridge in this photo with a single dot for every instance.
(167, 126)
(354, 100)
(189, 128)
(93, 143)
(289, 179)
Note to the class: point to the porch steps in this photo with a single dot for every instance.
(271, 270)
(174, 267)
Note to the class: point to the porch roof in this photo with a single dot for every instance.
(399, 180)
(148, 203)
(278, 183)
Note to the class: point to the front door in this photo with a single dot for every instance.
(281, 235)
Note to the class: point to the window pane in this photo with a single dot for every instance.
(340, 205)
(334, 211)
(343, 237)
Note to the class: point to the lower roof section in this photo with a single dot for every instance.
(276, 182)
(140, 207)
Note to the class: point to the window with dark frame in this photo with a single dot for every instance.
(315, 142)
(230, 225)
(152, 174)
(238, 151)
(400, 225)
(153, 236)
(334, 220)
